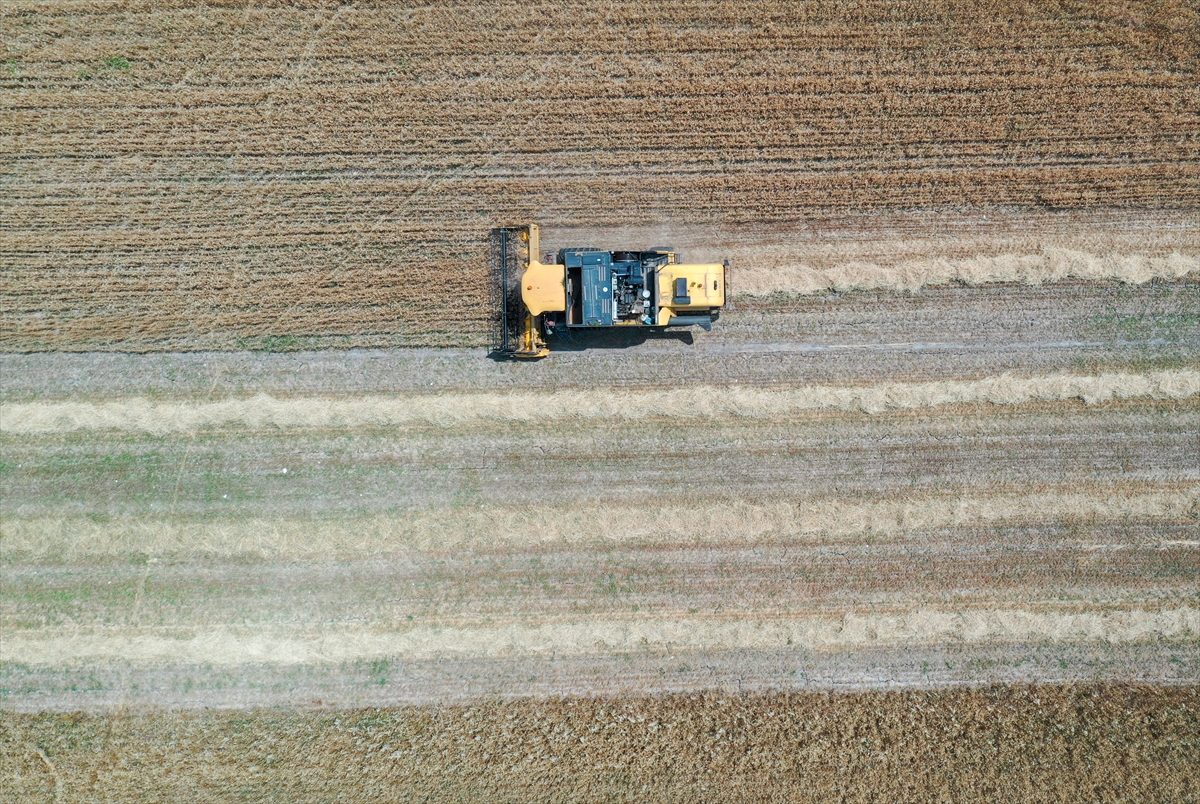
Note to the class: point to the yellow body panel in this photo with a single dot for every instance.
(544, 288)
(706, 288)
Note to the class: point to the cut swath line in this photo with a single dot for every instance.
(594, 636)
(263, 411)
(767, 274)
(518, 527)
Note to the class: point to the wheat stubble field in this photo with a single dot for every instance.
(919, 520)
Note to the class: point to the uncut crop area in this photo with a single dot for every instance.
(183, 176)
(918, 520)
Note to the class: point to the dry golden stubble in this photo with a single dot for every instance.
(1116, 742)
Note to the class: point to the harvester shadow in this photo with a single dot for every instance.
(606, 339)
(581, 340)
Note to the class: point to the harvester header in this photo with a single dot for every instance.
(587, 288)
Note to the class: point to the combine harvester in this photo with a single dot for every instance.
(589, 288)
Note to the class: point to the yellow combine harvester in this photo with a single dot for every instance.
(587, 288)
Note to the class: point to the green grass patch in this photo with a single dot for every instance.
(1168, 326)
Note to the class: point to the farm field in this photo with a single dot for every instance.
(919, 517)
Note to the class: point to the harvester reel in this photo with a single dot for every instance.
(512, 326)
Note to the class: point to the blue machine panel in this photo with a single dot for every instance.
(597, 289)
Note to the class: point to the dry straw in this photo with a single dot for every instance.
(448, 410)
(366, 536)
(764, 276)
(299, 645)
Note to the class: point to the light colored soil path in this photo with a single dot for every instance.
(651, 464)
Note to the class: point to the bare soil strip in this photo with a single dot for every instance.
(970, 452)
(117, 686)
(1082, 742)
(1086, 596)
(997, 528)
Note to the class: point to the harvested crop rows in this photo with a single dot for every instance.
(277, 549)
(241, 175)
(599, 520)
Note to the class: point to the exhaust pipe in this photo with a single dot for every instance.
(702, 321)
